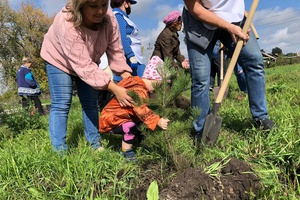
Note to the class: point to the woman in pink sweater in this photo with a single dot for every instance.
(80, 34)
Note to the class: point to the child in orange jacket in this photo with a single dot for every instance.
(123, 120)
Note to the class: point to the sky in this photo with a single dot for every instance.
(276, 21)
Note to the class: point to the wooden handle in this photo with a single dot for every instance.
(253, 27)
(221, 63)
(236, 52)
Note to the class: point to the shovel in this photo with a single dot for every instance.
(213, 122)
(216, 90)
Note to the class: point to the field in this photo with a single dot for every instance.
(245, 163)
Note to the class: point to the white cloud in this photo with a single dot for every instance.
(143, 6)
(278, 28)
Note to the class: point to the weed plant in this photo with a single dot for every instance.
(30, 170)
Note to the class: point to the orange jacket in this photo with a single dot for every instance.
(113, 115)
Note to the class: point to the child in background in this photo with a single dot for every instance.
(28, 87)
(123, 120)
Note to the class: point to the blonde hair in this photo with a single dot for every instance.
(26, 60)
(74, 8)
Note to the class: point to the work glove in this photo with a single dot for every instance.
(133, 62)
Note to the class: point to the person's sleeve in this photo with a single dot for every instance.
(166, 48)
(115, 53)
(147, 116)
(179, 57)
(126, 42)
(75, 49)
(30, 80)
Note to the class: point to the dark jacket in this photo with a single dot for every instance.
(27, 85)
(167, 45)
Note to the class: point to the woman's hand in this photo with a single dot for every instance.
(125, 75)
(185, 64)
(236, 33)
(123, 98)
(163, 123)
(121, 94)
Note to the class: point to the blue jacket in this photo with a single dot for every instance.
(27, 85)
(125, 30)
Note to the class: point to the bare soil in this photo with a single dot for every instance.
(236, 180)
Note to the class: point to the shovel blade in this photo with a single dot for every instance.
(211, 129)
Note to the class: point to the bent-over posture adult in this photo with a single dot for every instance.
(80, 34)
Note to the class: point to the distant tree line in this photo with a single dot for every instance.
(281, 59)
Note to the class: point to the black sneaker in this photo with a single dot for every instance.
(264, 124)
(197, 139)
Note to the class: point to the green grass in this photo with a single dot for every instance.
(29, 169)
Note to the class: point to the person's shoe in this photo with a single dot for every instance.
(197, 139)
(211, 88)
(99, 149)
(140, 138)
(129, 155)
(264, 124)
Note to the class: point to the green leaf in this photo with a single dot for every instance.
(152, 193)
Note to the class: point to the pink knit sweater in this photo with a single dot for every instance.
(77, 51)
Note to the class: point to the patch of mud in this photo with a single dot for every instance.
(236, 180)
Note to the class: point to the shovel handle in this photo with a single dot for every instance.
(236, 52)
(253, 27)
(221, 63)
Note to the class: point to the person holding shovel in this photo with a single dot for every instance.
(205, 22)
(215, 69)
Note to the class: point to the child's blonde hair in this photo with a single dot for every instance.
(26, 60)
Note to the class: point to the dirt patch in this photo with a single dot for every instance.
(182, 102)
(236, 180)
(150, 172)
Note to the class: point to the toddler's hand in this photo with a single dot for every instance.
(163, 123)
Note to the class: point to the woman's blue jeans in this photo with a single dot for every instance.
(61, 90)
(139, 71)
(250, 59)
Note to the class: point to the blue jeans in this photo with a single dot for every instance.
(241, 78)
(250, 59)
(135, 72)
(61, 88)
